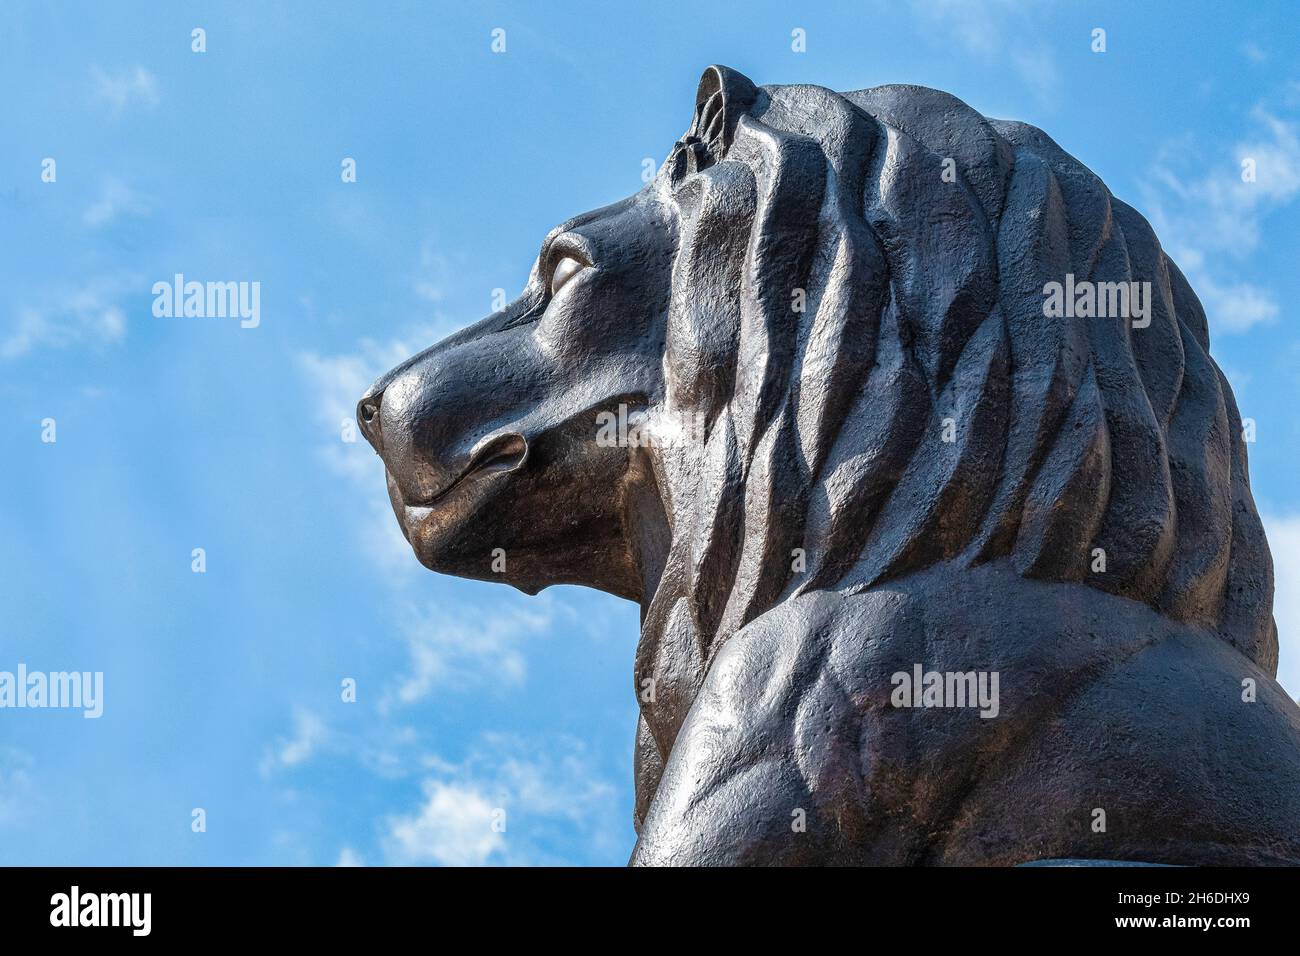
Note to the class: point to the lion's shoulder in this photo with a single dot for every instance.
(797, 721)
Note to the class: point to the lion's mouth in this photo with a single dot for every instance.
(504, 452)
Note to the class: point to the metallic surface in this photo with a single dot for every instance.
(801, 399)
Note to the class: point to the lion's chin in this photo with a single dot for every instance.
(441, 533)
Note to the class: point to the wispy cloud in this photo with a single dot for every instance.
(1211, 220)
(115, 199)
(123, 88)
(85, 314)
(1253, 52)
(998, 32)
(349, 857)
(461, 645)
(309, 733)
(498, 804)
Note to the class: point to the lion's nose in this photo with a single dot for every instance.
(368, 419)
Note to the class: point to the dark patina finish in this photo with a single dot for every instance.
(805, 398)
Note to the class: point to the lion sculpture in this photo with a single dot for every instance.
(805, 397)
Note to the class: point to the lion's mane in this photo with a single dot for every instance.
(924, 302)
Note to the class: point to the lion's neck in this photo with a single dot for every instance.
(649, 534)
(669, 663)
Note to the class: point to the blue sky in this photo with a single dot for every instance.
(222, 689)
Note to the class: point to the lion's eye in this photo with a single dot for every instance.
(565, 270)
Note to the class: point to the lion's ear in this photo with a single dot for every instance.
(723, 96)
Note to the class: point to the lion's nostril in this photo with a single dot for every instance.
(368, 418)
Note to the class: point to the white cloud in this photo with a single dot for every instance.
(115, 199)
(1284, 541)
(499, 804)
(122, 88)
(85, 314)
(1231, 306)
(1208, 219)
(309, 733)
(349, 857)
(453, 827)
(453, 644)
(566, 787)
